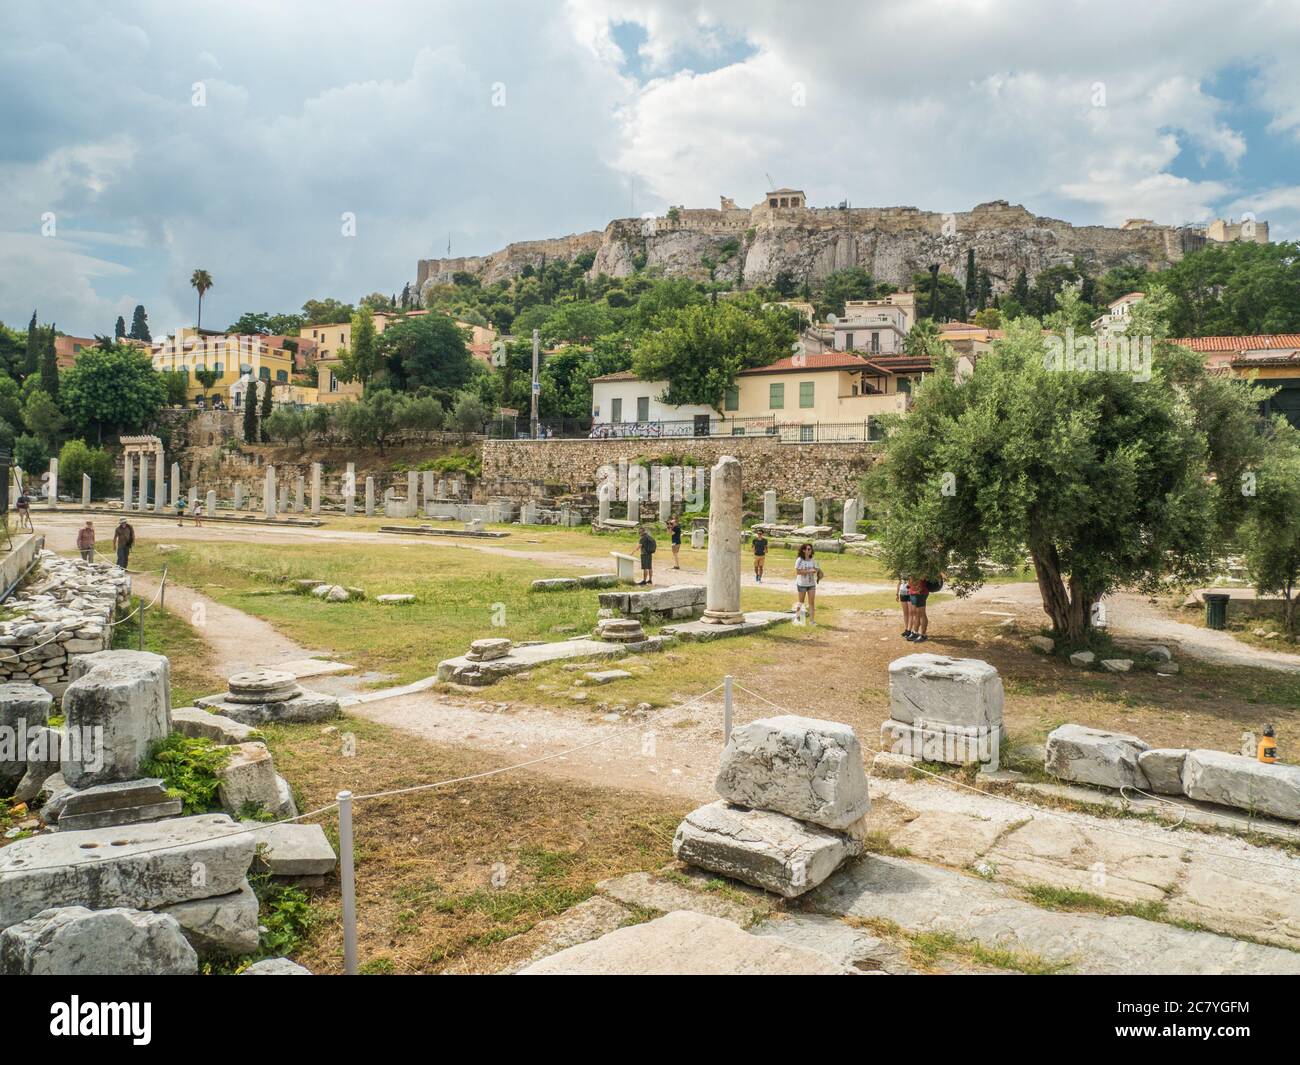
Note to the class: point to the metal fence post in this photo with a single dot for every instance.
(726, 708)
(347, 883)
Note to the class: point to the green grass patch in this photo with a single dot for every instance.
(167, 634)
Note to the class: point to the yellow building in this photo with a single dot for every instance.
(833, 387)
(229, 355)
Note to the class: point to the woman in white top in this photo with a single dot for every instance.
(806, 573)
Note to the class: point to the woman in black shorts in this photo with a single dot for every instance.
(675, 529)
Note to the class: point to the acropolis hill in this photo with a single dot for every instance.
(891, 243)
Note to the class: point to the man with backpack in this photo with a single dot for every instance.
(648, 546)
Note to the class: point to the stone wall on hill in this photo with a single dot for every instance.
(891, 243)
(523, 469)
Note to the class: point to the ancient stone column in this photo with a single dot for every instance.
(239, 495)
(350, 490)
(412, 493)
(809, 510)
(428, 489)
(315, 487)
(370, 497)
(300, 489)
(159, 483)
(633, 496)
(722, 597)
(850, 516)
(176, 483)
(143, 501)
(603, 494)
(211, 508)
(769, 507)
(283, 506)
(665, 494)
(85, 489)
(268, 492)
(128, 472)
(52, 489)
(442, 489)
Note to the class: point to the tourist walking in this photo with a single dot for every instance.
(806, 575)
(86, 541)
(760, 555)
(675, 532)
(648, 547)
(197, 513)
(123, 541)
(181, 504)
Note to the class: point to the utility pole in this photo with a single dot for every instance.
(532, 434)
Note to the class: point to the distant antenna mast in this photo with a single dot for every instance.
(770, 183)
(449, 244)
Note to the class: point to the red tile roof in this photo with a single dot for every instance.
(1262, 342)
(826, 360)
(621, 375)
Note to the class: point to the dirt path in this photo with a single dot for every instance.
(1134, 616)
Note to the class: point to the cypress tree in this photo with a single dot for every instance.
(50, 366)
(972, 279)
(33, 347)
(119, 331)
(140, 325)
(250, 412)
(268, 399)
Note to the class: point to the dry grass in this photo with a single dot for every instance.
(425, 894)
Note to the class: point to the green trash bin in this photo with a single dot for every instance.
(1216, 610)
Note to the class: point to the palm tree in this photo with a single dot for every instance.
(201, 280)
(923, 338)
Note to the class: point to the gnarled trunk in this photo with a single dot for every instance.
(1070, 609)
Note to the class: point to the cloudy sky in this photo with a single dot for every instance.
(145, 138)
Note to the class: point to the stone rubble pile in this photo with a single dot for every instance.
(192, 871)
(66, 610)
(944, 709)
(794, 803)
(260, 695)
(1086, 755)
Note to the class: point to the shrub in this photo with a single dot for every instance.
(188, 768)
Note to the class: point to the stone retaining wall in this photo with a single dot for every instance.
(522, 469)
(66, 609)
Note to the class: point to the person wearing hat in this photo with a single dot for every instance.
(123, 541)
(86, 541)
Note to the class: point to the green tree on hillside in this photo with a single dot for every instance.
(33, 360)
(114, 391)
(362, 360)
(50, 365)
(699, 349)
(427, 352)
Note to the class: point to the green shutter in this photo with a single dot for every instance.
(732, 400)
(806, 393)
(776, 396)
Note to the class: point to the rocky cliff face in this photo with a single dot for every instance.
(891, 243)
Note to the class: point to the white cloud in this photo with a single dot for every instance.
(316, 108)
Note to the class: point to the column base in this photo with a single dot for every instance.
(722, 617)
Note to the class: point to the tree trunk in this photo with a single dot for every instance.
(1070, 610)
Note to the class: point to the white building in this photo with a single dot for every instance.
(1116, 318)
(624, 399)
